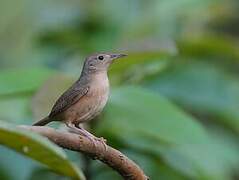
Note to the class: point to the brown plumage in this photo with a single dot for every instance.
(86, 98)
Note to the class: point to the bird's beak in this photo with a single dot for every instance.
(116, 56)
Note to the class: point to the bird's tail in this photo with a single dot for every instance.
(42, 122)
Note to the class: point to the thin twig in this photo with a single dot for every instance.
(128, 169)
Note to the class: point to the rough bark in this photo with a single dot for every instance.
(128, 169)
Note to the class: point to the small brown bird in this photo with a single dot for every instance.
(86, 98)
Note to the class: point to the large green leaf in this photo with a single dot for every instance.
(39, 148)
(155, 125)
(136, 65)
(138, 58)
(154, 167)
(22, 80)
(215, 158)
(209, 46)
(203, 88)
(137, 111)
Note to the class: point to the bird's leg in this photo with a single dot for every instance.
(101, 139)
(81, 131)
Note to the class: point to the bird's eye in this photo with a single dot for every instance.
(101, 57)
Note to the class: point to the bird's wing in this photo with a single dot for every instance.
(70, 97)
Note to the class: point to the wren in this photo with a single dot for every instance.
(86, 98)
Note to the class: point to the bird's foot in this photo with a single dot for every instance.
(95, 140)
(103, 141)
(87, 134)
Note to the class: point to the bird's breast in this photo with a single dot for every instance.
(99, 93)
(94, 101)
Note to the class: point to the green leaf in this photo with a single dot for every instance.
(136, 65)
(201, 87)
(21, 111)
(209, 46)
(138, 58)
(216, 158)
(47, 95)
(154, 166)
(137, 111)
(38, 148)
(14, 81)
(4, 174)
(20, 172)
(41, 173)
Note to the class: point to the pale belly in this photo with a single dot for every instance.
(94, 107)
(90, 105)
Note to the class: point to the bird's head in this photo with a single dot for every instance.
(100, 62)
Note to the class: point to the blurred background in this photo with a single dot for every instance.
(174, 105)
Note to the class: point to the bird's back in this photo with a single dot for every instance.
(77, 91)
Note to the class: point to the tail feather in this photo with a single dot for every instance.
(42, 122)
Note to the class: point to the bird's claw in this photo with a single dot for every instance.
(90, 136)
(103, 141)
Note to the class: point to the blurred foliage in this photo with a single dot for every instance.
(38, 148)
(175, 98)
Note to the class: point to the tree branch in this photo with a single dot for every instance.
(110, 156)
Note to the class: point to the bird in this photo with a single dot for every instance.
(86, 98)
